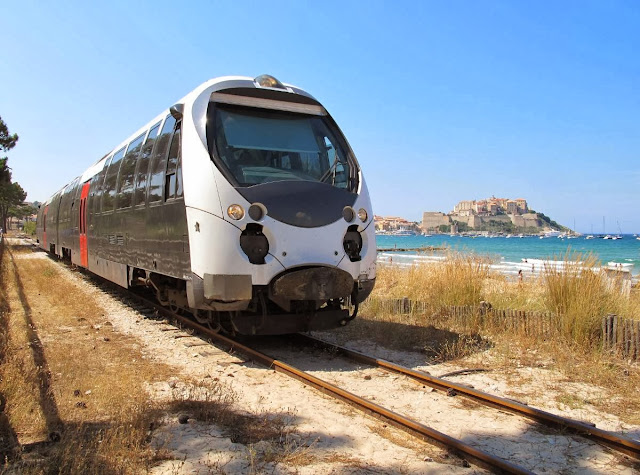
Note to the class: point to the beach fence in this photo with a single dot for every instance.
(620, 336)
(469, 318)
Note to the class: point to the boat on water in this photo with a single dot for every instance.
(403, 232)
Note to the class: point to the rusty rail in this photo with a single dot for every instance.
(619, 443)
(479, 457)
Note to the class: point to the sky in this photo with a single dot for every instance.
(441, 101)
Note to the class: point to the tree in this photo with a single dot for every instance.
(11, 194)
(462, 226)
(22, 210)
(7, 141)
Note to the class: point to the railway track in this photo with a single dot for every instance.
(465, 451)
(621, 444)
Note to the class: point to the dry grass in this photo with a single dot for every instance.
(66, 375)
(578, 297)
(579, 294)
(458, 280)
(76, 391)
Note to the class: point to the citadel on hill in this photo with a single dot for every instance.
(491, 215)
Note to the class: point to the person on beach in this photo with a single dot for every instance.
(520, 275)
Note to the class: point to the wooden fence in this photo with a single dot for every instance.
(620, 336)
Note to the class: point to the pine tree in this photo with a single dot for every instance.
(11, 194)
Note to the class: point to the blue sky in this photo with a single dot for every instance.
(441, 101)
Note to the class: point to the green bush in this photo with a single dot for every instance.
(30, 228)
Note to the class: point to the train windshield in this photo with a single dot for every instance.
(259, 146)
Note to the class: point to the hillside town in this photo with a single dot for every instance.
(485, 216)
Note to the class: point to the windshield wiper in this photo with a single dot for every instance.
(330, 172)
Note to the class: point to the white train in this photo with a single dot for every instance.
(242, 203)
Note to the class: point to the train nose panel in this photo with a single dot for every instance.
(314, 283)
(304, 204)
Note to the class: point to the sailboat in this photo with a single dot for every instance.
(590, 236)
(619, 236)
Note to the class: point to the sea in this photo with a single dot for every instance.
(510, 255)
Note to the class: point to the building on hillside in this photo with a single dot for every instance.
(492, 211)
(393, 223)
(480, 207)
(432, 220)
(522, 205)
(490, 207)
(463, 206)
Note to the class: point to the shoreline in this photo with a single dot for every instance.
(530, 268)
(510, 254)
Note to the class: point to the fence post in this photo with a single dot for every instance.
(636, 354)
(406, 305)
(610, 331)
(615, 332)
(627, 337)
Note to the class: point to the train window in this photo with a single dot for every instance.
(172, 165)
(127, 173)
(259, 146)
(109, 188)
(179, 187)
(142, 166)
(158, 164)
(94, 191)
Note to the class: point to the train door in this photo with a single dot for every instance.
(84, 252)
(44, 228)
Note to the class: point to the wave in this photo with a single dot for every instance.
(528, 267)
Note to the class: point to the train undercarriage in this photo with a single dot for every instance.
(271, 310)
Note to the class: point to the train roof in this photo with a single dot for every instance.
(212, 85)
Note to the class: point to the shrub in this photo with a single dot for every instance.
(30, 228)
(580, 294)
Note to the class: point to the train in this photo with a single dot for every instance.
(242, 203)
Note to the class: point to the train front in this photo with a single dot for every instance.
(282, 240)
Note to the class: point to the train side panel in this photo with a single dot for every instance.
(51, 221)
(67, 231)
(40, 228)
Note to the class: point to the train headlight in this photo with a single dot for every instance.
(235, 212)
(352, 243)
(362, 214)
(266, 80)
(348, 213)
(257, 211)
(254, 243)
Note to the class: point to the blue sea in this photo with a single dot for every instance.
(509, 255)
